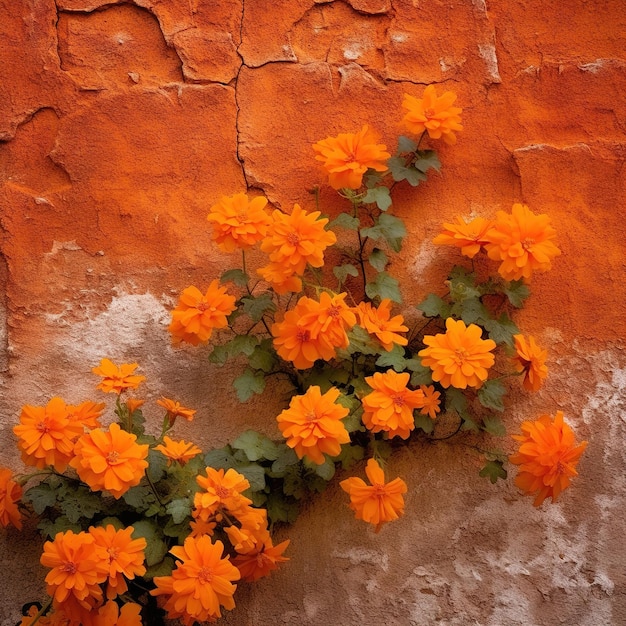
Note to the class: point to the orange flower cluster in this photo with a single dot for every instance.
(196, 315)
(378, 502)
(470, 237)
(81, 564)
(377, 321)
(257, 556)
(434, 114)
(531, 360)
(547, 456)
(313, 330)
(179, 451)
(201, 583)
(238, 222)
(110, 460)
(458, 358)
(312, 424)
(389, 408)
(348, 156)
(116, 379)
(10, 493)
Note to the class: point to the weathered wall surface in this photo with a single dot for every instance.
(122, 122)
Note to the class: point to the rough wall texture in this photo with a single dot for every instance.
(122, 122)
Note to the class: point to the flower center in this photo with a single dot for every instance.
(69, 567)
(398, 400)
(113, 553)
(429, 113)
(528, 243)
(460, 356)
(43, 427)
(205, 306)
(334, 311)
(112, 457)
(222, 492)
(293, 239)
(310, 417)
(205, 575)
(303, 335)
(379, 490)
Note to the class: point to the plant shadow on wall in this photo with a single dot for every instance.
(143, 527)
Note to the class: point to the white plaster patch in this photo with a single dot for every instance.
(426, 254)
(487, 52)
(57, 246)
(352, 52)
(399, 37)
(357, 555)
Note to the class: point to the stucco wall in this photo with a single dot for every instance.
(121, 123)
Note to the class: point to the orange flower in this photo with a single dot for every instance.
(110, 460)
(122, 555)
(221, 490)
(47, 434)
(297, 239)
(10, 493)
(111, 615)
(75, 568)
(312, 424)
(200, 527)
(238, 222)
(259, 557)
(547, 456)
(434, 114)
(348, 156)
(459, 357)
(390, 406)
(376, 503)
(201, 583)
(132, 404)
(523, 241)
(196, 315)
(329, 318)
(470, 237)
(281, 278)
(116, 379)
(531, 360)
(87, 413)
(174, 410)
(179, 451)
(431, 401)
(297, 337)
(378, 321)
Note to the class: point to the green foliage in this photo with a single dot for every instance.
(379, 196)
(236, 276)
(256, 446)
(491, 394)
(387, 228)
(384, 286)
(249, 383)
(378, 259)
(434, 306)
(493, 470)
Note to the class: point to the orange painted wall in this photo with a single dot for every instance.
(122, 122)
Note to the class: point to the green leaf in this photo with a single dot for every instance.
(349, 455)
(493, 470)
(406, 145)
(344, 220)
(462, 285)
(286, 458)
(389, 228)
(157, 464)
(517, 292)
(427, 160)
(456, 401)
(249, 383)
(490, 395)
(494, 426)
(263, 357)
(237, 276)
(41, 496)
(281, 509)
(502, 329)
(470, 310)
(257, 306)
(378, 259)
(179, 509)
(342, 272)
(326, 470)
(360, 342)
(434, 306)
(294, 484)
(240, 344)
(384, 286)
(380, 196)
(61, 524)
(156, 548)
(424, 422)
(139, 497)
(80, 503)
(394, 358)
(400, 171)
(163, 568)
(421, 375)
(221, 458)
(255, 474)
(256, 446)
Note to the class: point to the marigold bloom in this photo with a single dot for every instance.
(75, 568)
(47, 434)
(523, 241)
(261, 559)
(431, 401)
(378, 502)
(196, 315)
(297, 338)
(531, 360)
(132, 404)
(312, 424)
(389, 407)
(238, 222)
(296, 239)
(179, 451)
(330, 318)
(222, 489)
(111, 615)
(547, 456)
(110, 460)
(459, 357)
(122, 555)
(174, 410)
(87, 413)
(10, 493)
(201, 583)
(348, 156)
(281, 278)
(470, 237)
(116, 379)
(434, 114)
(200, 527)
(53, 618)
(378, 321)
